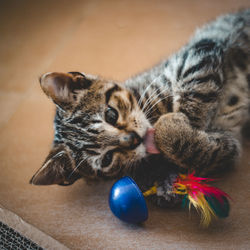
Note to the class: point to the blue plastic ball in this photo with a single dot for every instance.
(127, 202)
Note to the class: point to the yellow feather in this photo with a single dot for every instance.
(202, 205)
(152, 190)
(180, 189)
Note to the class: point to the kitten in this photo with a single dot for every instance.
(197, 101)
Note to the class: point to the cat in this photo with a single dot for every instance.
(197, 101)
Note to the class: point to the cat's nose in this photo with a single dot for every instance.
(130, 140)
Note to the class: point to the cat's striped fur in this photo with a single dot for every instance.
(197, 100)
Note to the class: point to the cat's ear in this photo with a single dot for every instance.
(57, 169)
(63, 88)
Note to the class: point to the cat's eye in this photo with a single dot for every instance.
(111, 115)
(107, 159)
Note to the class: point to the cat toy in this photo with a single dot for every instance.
(128, 204)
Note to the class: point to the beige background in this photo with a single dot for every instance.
(114, 39)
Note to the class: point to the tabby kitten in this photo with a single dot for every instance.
(197, 101)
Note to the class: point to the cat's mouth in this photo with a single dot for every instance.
(149, 142)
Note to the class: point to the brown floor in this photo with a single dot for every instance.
(114, 39)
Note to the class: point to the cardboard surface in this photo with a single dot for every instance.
(15, 222)
(115, 39)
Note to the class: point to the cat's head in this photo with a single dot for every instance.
(99, 129)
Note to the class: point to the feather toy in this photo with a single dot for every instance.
(127, 201)
(209, 201)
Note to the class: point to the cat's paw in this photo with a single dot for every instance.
(171, 119)
(170, 130)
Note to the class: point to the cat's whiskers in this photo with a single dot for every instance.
(148, 111)
(151, 119)
(149, 100)
(129, 164)
(145, 91)
(78, 165)
(152, 98)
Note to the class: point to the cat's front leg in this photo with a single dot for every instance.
(193, 149)
(171, 131)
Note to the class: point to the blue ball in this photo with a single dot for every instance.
(127, 202)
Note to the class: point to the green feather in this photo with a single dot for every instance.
(185, 201)
(220, 208)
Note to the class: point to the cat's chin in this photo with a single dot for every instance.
(144, 151)
(141, 151)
